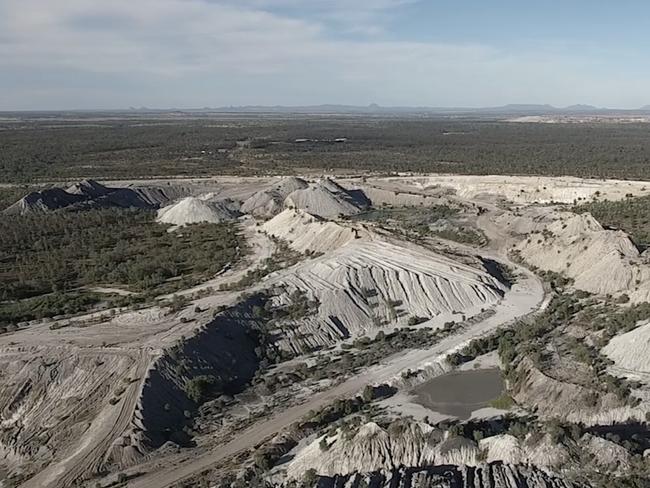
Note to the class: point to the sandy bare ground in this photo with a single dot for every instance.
(139, 335)
(518, 189)
(142, 335)
(98, 438)
(524, 298)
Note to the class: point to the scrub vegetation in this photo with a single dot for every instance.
(631, 215)
(33, 150)
(416, 223)
(48, 260)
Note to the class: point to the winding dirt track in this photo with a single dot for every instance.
(105, 428)
(88, 454)
(525, 298)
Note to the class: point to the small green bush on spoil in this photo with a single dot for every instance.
(199, 388)
(476, 348)
(415, 320)
(503, 402)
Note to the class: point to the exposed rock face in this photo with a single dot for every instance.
(270, 202)
(327, 199)
(89, 193)
(419, 445)
(600, 261)
(631, 351)
(541, 452)
(305, 232)
(494, 475)
(223, 351)
(374, 449)
(366, 284)
(606, 454)
(528, 189)
(193, 210)
(553, 398)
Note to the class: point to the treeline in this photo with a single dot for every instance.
(116, 149)
(239, 145)
(474, 147)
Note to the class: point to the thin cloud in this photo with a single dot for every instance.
(199, 52)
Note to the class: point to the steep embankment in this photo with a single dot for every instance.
(220, 359)
(324, 198)
(327, 199)
(553, 398)
(363, 282)
(485, 476)
(270, 202)
(306, 232)
(369, 284)
(525, 189)
(373, 448)
(631, 351)
(599, 261)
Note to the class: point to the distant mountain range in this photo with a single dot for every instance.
(372, 109)
(514, 109)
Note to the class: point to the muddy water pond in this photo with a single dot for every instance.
(460, 393)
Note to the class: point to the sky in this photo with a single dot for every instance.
(114, 54)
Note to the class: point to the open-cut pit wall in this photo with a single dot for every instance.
(355, 291)
(552, 398)
(220, 359)
(493, 475)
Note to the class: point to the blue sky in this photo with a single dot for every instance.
(84, 54)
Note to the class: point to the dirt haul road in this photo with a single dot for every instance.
(141, 342)
(525, 297)
(105, 428)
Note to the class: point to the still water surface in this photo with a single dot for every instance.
(460, 393)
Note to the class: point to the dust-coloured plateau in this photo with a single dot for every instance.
(409, 331)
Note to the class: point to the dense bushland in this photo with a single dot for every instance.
(45, 257)
(148, 146)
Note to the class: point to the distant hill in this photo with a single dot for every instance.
(520, 109)
(582, 108)
(510, 109)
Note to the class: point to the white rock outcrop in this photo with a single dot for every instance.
(305, 232)
(416, 445)
(631, 351)
(326, 199)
